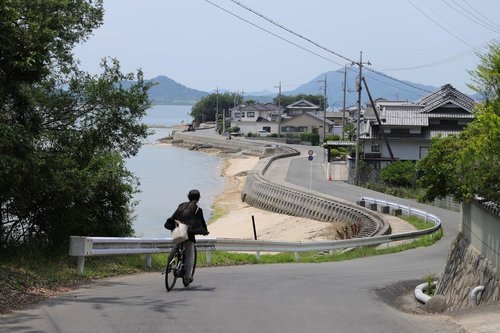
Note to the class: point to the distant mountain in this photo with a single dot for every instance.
(167, 91)
(380, 86)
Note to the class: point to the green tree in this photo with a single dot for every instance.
(399, 173)
(469, 164)
(287, 100)
(350, 132)
(64, 134)
(438, 171)
(207, 107)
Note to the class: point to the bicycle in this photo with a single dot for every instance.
(176, 268)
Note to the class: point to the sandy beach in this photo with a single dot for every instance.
(236, 220)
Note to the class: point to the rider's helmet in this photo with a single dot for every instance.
(194, 195)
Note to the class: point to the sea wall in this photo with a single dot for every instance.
(279, 198)
(263, 194)
(473, 259)
(202, 137)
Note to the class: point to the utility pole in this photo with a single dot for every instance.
(324, 108)
(358, 83)
(217, 111)
(279, 109)
(343, 108)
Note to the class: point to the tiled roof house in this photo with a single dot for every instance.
(409, 127)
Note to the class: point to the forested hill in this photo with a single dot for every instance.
(167, 91)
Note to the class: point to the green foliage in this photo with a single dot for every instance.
(315, 139)
(64, 134)
(429, 279)
(333, 137)
(234, 129)
(486, 77)
(287, 100)
(480, 158)
(397, 191)
(438, 171)
(399, 173)
(468, 164)
(350, 132)
(207, 107)
(306, 136)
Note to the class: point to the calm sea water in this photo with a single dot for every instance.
(167, 173)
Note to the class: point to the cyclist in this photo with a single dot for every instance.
(192, 215)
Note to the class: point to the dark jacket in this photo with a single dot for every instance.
(189, 213)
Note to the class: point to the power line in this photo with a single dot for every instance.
(320, 46)
(272, 33)
(472, 17)
(438, 24)
(291, 31)
(438, 62)
(493, 23)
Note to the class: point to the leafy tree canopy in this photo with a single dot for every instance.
(285, 100)
(64, 134)
(469, 164)
(399, 173)
(207, 107)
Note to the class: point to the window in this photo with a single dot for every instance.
(250, 114)
(375, 149)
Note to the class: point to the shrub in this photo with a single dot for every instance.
(399, 173)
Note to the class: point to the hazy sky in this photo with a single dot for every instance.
(201, 46)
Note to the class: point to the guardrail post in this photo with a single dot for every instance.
(297, 256)
(257, 255)
(148, 260)
(80, 265)
(208, 257)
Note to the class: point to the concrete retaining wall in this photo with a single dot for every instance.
(261, 149)
(474, 258)
(261, 193)
(466, 269)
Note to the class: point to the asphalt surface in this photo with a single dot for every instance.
(326, 297)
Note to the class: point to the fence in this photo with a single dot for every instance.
(82, 247)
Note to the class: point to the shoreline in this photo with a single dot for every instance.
(236, 220)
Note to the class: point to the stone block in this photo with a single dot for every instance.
(361, 203)
(385, 209)
(373, 206)
(436, 304)
(397, 212)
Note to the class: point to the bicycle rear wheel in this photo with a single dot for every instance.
(184, 282)
(173, 264)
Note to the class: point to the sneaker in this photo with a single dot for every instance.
(188, 280)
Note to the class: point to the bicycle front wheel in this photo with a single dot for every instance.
(173, 264)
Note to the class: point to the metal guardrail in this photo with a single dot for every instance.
(82, 247)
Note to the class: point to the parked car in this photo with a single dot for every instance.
(190, 128)
(263, 133)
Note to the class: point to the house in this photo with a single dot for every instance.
(306, 122)
(410, 127)
(338, 118)
(256, 117)
(300, 107)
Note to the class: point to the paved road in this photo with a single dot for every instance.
(327, 297)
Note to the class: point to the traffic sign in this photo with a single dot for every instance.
(310, 152)
(310, 158)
